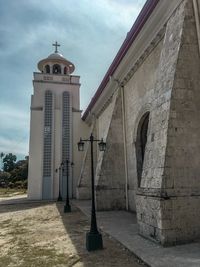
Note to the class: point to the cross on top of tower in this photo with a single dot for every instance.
(56, 46)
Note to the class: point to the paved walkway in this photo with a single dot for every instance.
(122, 226)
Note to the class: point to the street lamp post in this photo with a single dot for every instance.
(93, 237)
(67, 207)
(59, 174)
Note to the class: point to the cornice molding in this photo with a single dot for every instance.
(144, 55)
(148, 37)
(135, 67)
(55, 82)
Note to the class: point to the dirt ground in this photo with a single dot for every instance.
(10, 192)
(34, 235)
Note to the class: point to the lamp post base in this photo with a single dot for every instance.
(94, 241)
(67, 208)
(59, 198)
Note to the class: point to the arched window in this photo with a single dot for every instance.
(56, 69)
(47, 69)
(65, 70)
(141, 144)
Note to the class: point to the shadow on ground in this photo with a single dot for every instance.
(41, 234)
(13, 207)
(113, 253)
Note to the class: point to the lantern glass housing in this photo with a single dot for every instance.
(80, 145)
(102, 145)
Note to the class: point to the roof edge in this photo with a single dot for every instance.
(143, 16)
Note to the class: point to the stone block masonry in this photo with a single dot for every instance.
(168, 202)
(110, 175)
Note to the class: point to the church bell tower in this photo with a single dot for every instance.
(55, 118)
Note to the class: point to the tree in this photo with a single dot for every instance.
(1, 156)
(15, 173)
(9, 162)
(20, 172)
(4, 179)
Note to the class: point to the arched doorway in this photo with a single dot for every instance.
(141, 144)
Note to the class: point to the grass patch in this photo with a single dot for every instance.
(5, 261)
(23, 252)
(41, 256)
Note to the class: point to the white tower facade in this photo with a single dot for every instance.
(54, 128)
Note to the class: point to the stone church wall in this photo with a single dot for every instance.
(151, 195)
(139, 95)
(168, 201)
(166, 84)
(181, 176)
(110, 172)
(100, 129)
(83, 190)
(105, 119)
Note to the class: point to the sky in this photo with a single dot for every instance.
(90, 33)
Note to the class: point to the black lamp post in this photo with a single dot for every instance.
(59, 170)
(67, 207)
(93, 237)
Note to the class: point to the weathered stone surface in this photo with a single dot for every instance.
(172, 158)
(149, 208)
(165, 85)
(110, 176)
(84, 185)
(100, 129)
(183, 143)
(139, 96)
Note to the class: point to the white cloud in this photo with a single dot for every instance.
(13, 118)
(90, 33)
(8, 145)
(119, 12)
(14, 129)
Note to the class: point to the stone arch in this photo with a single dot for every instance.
(140, 144)
(47, 69)
(56, 69)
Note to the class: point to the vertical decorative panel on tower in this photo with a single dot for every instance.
(66, 138)
(47, 147)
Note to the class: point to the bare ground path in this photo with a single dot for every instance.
(40, 234)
